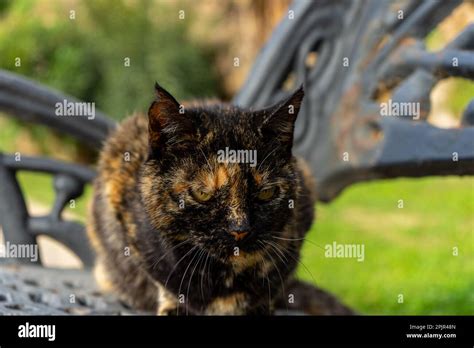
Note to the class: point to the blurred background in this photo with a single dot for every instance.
(83, 49)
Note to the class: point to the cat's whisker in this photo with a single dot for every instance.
(288, 238)
(182, 279)
(207, 272)
(268, 284)
(191, 263)
(302, 264)
(208, 163)
(296, 259)
(201, 253)
(299, 239)
(263, 262)
(276, 251)
(279, 274)
(198, 260)
(155, 264)
(202, 272)
(276, 148)
(269, 296)
(212, 263)
(176, 265)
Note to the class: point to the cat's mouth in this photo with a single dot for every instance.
(246, 259)
(234, 250)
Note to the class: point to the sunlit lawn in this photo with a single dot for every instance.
(408, 251)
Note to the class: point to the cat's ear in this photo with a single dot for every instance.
(278, 121)
(168, 124)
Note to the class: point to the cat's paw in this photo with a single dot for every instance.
(166, 309)
(167, 303)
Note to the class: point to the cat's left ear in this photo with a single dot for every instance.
(278, 121)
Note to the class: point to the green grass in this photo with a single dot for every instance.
(408, 251)
(38, 189)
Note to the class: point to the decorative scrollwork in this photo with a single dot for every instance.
(365, 49)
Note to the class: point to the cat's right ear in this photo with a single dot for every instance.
(168, 125)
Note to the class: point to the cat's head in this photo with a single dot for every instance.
(220, 177)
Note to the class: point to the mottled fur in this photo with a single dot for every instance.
(160, 248)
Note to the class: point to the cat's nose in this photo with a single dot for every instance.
(240, 229)
(239, 235)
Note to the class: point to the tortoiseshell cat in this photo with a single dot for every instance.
(180, 231)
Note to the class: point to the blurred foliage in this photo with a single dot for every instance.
(455, 93)
(85, 56)
(461, 92)
(4, 5)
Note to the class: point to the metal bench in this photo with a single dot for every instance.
(348, 54)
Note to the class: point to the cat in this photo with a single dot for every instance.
(179, 230)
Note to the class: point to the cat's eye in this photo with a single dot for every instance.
(267, 194)
(201, 196)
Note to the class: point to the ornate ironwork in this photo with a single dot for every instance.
(366, 50)
(32, 290)
(19, 228)
(29, 101)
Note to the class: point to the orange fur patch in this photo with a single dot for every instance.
(228, 305)
(221, 176)
(258, 178)
(245, 260)
(179, 187)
